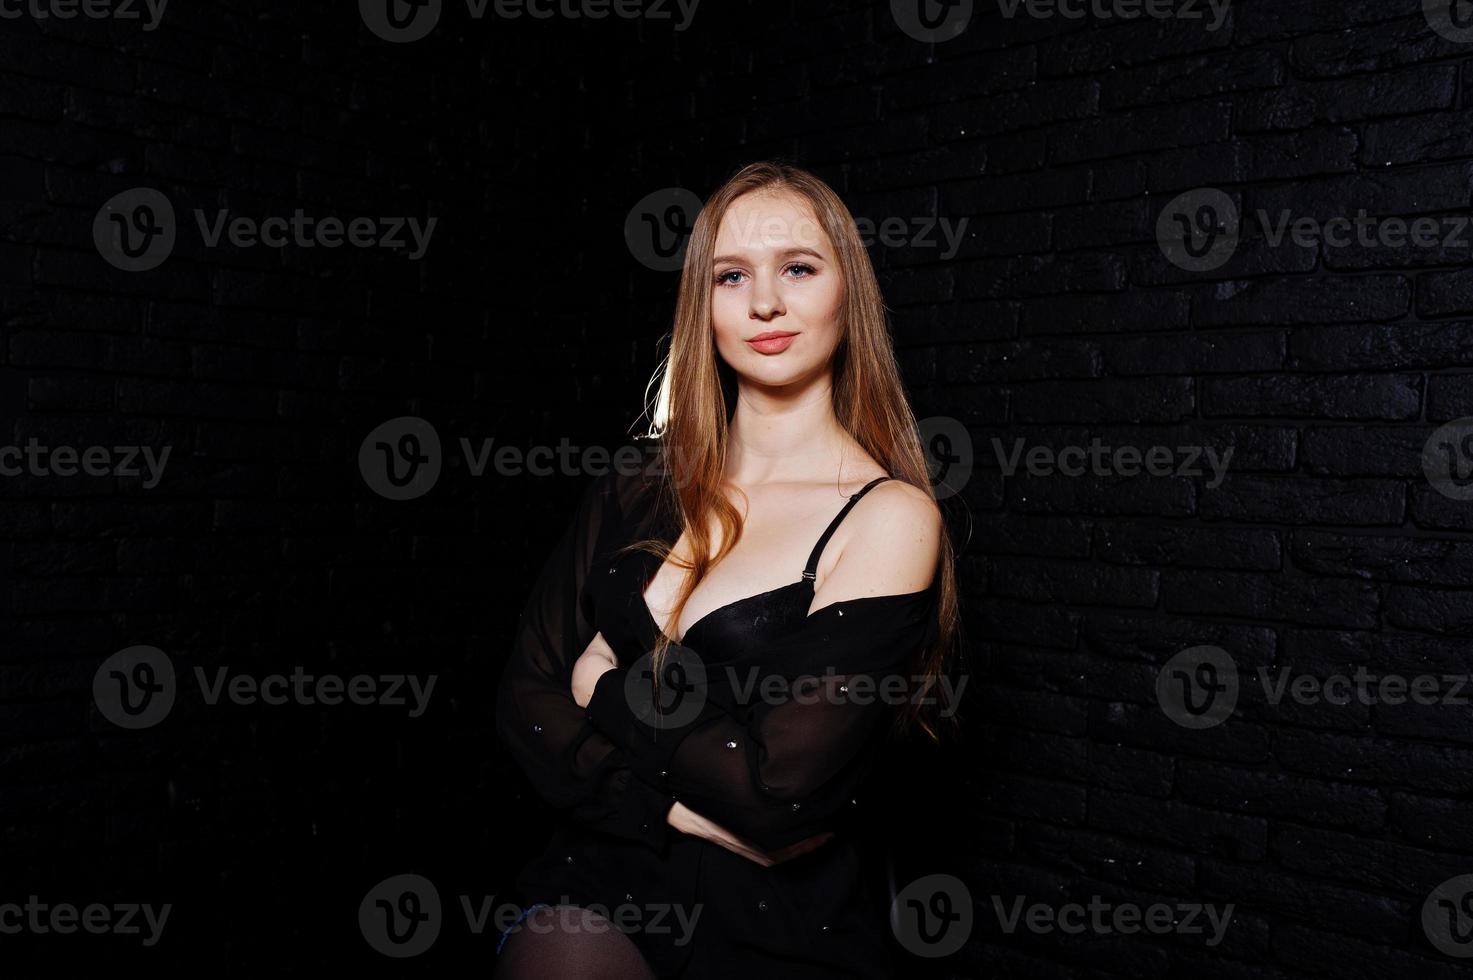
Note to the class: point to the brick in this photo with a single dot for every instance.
(1282, 797)
(1306, 500)
(1304, 600)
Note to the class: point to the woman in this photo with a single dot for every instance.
(794, 550)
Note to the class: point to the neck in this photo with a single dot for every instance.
(783, 434)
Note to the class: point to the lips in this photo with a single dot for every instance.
(772, 341)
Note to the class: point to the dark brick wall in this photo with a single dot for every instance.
(1070, 308)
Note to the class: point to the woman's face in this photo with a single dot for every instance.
(776, 292)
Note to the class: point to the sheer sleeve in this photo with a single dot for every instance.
(570, 764)
(775, 752)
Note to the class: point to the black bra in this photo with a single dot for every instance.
(810, 571)
(745, 625)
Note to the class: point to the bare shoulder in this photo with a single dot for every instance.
(897, 521)
(890, 544)
(898, 499)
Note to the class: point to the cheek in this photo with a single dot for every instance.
(822, 311)
(728, 318)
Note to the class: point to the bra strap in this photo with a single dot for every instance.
(810, 572)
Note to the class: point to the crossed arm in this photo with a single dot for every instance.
(562, 714)
(770, 800)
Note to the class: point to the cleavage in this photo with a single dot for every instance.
(757, 575)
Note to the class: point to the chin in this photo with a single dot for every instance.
(772, 375)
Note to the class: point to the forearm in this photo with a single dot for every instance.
(775, 774)
(575, 768)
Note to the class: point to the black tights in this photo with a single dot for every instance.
(566, 941)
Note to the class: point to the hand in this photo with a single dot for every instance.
(688, 821)
(590, 666)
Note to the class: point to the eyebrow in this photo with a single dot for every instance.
(784, 254)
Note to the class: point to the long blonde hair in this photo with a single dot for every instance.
(697, 396)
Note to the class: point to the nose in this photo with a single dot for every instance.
(766, 301)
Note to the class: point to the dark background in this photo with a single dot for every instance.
(530, 321)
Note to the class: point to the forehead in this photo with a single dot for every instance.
(766, 221)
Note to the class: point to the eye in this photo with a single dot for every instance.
(724, 278)
(802, 267)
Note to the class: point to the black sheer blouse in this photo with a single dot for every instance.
(767, 735)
